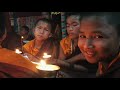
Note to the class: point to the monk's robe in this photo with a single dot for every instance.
(13, 71)
(29, 48)
(50, 46)
(10, 57)
(66, 44)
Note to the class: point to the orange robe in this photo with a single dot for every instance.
(10, 57)
(29, 48)
(66, 45)
(49, 46)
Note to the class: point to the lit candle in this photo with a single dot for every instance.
(22, 37)
(46, 67)
(46, 56)
(47, 70)
(18, 51)
(22, 42)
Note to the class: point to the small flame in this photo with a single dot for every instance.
(22, 37)
(46, 55)
(46, 67)
(18, 51)
(42, 63)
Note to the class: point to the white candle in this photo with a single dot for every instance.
(46, 56)
(18, 51)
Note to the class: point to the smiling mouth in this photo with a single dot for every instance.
(89, 54)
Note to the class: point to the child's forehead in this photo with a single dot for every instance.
(39, 22)
(42, 23)
(100, 22)
(97, 27)
(74, 17)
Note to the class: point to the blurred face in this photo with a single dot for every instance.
(42, 31)
(97, 40)
(73, 25)
(23, 31)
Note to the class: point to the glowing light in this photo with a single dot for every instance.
(47, 67)
(18, 51)
(46, 56)
(22, 37)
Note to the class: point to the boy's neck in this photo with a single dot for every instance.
(38, 44)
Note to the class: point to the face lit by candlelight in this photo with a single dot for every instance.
(98, 40)
(73, 25)
(42, 31)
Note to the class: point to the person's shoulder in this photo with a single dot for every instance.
(29, 43)
(65, 40)
(116, 70)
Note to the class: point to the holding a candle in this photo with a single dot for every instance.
(44, 40)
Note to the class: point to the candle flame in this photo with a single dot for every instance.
(18, 51)
(42, 63)
(46, 55)
(46, 67)
(22, 37)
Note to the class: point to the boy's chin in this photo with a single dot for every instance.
(92, 61)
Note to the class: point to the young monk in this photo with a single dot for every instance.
(44, 41)
(70, 54)
(99, 41)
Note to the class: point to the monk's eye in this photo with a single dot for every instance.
(82, 36)
(98, 36)
(75, 24)
(46, 29)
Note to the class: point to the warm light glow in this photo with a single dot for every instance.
(46, 55)
(22, 37)
(47, 67)
(42, 63)
(18, 51)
